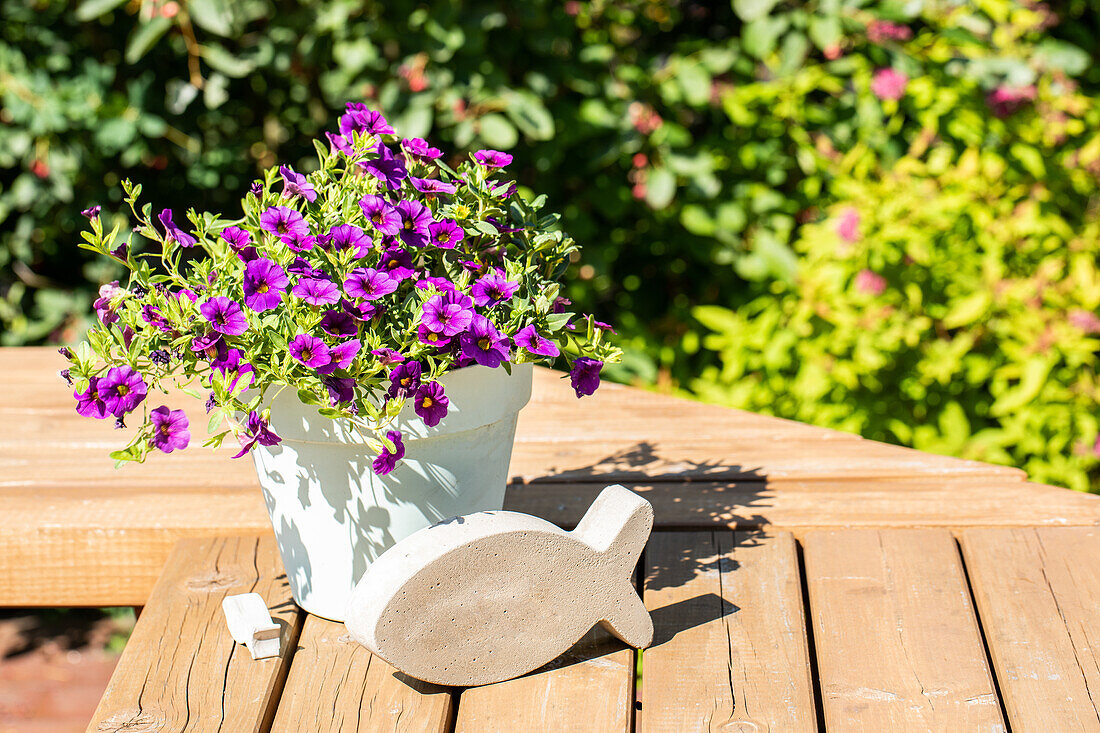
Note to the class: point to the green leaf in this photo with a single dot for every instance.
(1031, 383)
(498, 132)
(761, 36)
(967, 310)
(660, 187)
(225, 62)
(215, 16)
(530, 115)
(825, 31)
(557, 321)
(144, 37)
(90, 9)
(750, 10)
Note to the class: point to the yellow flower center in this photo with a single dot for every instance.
(483, 344)
(123, 390)
(262, 288)
(426, 402)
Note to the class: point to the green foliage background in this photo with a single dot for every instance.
(702, 153)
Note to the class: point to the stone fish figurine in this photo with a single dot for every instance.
(493, 595)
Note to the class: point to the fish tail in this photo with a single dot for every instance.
(629, 620)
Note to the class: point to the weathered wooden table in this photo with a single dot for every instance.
(799, 579)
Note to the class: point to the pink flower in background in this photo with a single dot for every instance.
(1006, 100)
(848, 225)
(871, 282)
(889, 84)
(881, 31)
(1096, 447)
(1084, 320)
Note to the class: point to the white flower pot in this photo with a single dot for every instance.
(332, 515)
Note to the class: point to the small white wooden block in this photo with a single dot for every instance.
(250, 624)
(493, 595)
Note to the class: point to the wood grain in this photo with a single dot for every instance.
(337, 685)
(181, 669)
(898, 645)
(589, 688)
(1038, 594)
(730, 650)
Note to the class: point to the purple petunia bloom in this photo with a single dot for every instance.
(264, 284)
(256, 189)
(155, 318)
(397, 262)
(92, 212)
(224, 315)
(295, 184)
(122, 389)
(236, 238)
(528, 338)
(493, 158)
(432, 186)
(492, 289)
(303, 268)
(349, 236)
(430, 403)
(484, 343)
(339, 323)
(381, 214)
(445, 234)
(419, 148)
(360, 310)
(388, 357)
(369, 283)
(386, 461)
(441, 284)
(309, 350)
(299, 242)
(339, 143)
(174, 233)
(431, 338)
(89, 403)
(282, 220)
(387, 167)
(446, 314)
(585, 375)
(340, 389)
(404, 379)
(208, 343)
(256, 431)
(415, 220)
(341, 356)
(362, 119)
(604, 327)
(169, 429)
(104, 308)
(316, 291)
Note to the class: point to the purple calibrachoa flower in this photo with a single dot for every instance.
(256, 189)
(104, 309)
(369, 283)
(387, 167)
(528, 338)
(381, 214)
(388, 357)
(155, 318)
(89, 403)
(169, 429)
(449, 314)
(339, 143)
(415, 220)
(493, 289)
(309, 350)
(122, 389)
(92, 212)
(341, 356)
(173, 232)
(256, 431)
(295, 184)
(236, 238)
(432, 186)
(445, 234)
(360, 310)
(585, 375)
(224, 315)
(303, 268)
(339, 323)
(283, 220)
(397, 262)
(316, 291)
(419, 148)
(299, 242)
(430, 403)
(431, 338)
(387, 460)
(264, 284)
(340, 389)
(404, 379)
(604, 327)
(349, 236)
(441, 284)
(360, 118)
(484, 343)
(207, 343)
(493, 158)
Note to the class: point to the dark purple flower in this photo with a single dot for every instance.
(340, 389)
(282, 220)
(122, 389)
(446, 314)
(419, 148)
(309, 350)
(560, 304)
(264, 284)
(295, 184)
(432, 186)
(585, 375)
(174, 233)
(484, 343)
(121, 251)
(299, 242)
(316, 291)
(224, 315)
(528, 338)
(415, 220)
(387, 167)
(155, 318)
(604, 327)
(236, 238)
(229, 362)
(208, 343)
(256, 431)
(339, 323)
(169, 429)
(361, 119)
(386, 461)
(431, 338)
(404, 379)
(360, 310)
(503, 190)
(303, 268)
(430, 403)
(104, 308)
(492, 289)
(92, 212)
(502, 227)
(445, 234)
(492, 158)
(369, 283)
(256, 189)
(89, 403)
(66, 374)
(388, 357)
(341, 356)
(339, 143)
(349, 236)
(381, 214)
(397, 262)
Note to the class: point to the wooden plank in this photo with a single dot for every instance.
(337, 685)
(729, 649)
(590, 688)
(898, 645)
(1038, 594)
(181, 669)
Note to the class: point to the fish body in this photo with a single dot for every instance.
(493, 595)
